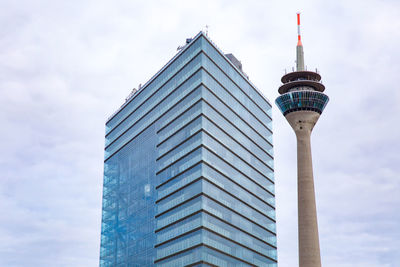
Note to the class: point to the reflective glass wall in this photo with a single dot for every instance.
(188, 175)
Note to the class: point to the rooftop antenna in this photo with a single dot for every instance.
(207, 30)
(299, 47)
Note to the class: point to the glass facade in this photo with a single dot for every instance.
(188, 170)
(302, 100)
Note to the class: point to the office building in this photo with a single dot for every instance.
(302, 103)
(188, 170)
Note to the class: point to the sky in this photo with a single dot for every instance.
(66, 66)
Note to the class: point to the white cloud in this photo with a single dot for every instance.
(65, 67)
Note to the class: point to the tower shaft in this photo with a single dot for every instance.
(302, 123)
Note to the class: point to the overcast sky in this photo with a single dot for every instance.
(65, 66)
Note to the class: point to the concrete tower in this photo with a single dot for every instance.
(302, 102)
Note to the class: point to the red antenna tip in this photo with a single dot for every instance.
(298, 29)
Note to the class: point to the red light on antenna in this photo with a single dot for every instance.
(298, 18)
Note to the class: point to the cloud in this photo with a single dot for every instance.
(65, 67)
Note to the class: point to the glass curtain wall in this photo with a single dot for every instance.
(188, 174)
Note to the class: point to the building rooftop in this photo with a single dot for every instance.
(235, 63)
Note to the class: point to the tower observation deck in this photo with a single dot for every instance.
(302, 101)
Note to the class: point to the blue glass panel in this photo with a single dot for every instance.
(176, 89)
(213, 105)
(230, 248)
(225, 89)
(179, 181)
(238, 206)
(236, 147)
(128, 200)
(252, 93)
(180, 108)
(148, 119)
(231, 135)
(180, 228)
(180, 166)
(180, 212)
(239, 221)
(179, 244)
(183, 259)
(216, 258)
(179, 136)
(145, 92)
(263, 191)
(233, 159)
(239, 236)
(302, 100)
(180, 121)
(173, 155)
(241, 191)
(179, 197)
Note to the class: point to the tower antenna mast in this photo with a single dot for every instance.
(298, 30)
(299, 48)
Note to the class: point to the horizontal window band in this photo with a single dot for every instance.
(236, 141)
(179, 173)
(237, 243)
(176, 88)
(225, 147)
(214, 138)
(183, 126)
(177, 221)
(238, 199)
(203, 130)
(180, 143)
(172, 163)
(218, 234)
(302, 109)
(218, 171)
(179, 204)
(182, 113)
(178, 252)
(219, 203)
(180, 188)
(241, 215)
(220, 219)
(237, 100)
(234, 126)
(173, 76)
(234, 153)
(239, 185)
(245, 122)
(219, 188)
(194, 56)
(207, 246)
(148, 84)
(240, 229)
(201, 84)
(208, 149)
(151, 124)
(178, 236)
(246, 80)
(245, 175)
(202, 262)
